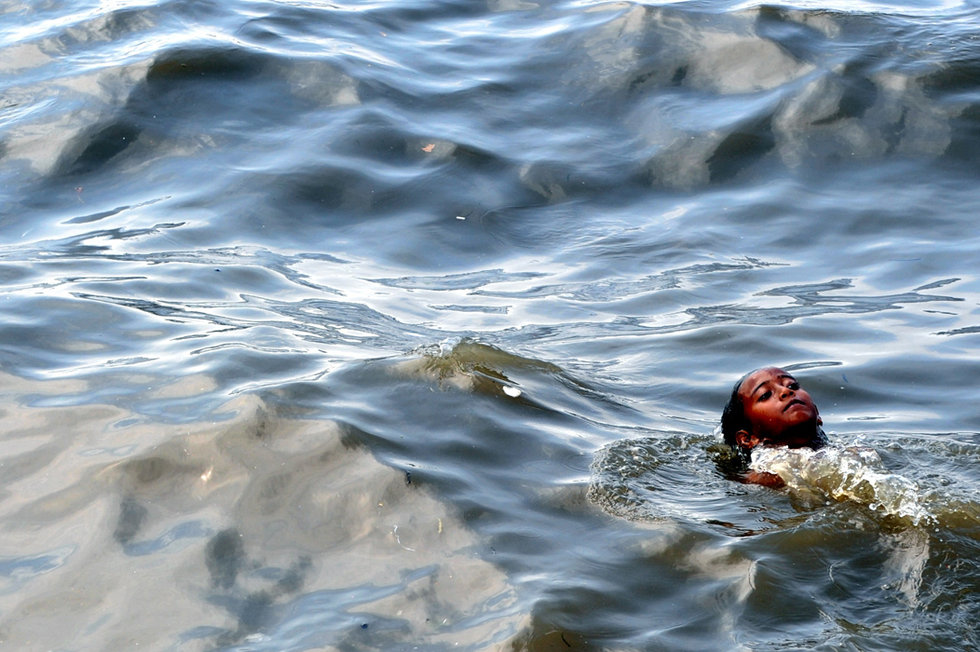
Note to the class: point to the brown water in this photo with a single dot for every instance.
(367, 327)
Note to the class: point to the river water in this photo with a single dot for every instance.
(407, 326)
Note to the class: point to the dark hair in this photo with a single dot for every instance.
(733, 416)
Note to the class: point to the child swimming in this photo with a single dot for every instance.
(768, 408)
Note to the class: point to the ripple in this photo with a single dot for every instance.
(316, 317)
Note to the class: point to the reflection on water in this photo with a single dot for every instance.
(381, 326)
(233, 528)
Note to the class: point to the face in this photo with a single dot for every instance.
(780, 411)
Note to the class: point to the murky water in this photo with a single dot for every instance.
(368, 326)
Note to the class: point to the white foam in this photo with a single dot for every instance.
(844, 473)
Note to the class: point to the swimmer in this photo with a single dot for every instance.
(769, 408)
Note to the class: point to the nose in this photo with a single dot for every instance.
(786, 391)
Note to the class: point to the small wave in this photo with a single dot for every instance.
(858, 474)
(668, 477)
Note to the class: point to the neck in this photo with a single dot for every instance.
(809, 437)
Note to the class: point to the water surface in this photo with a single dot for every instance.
(348, 326)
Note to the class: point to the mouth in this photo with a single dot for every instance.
(795, 401)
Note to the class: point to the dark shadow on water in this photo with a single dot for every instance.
(254, 609)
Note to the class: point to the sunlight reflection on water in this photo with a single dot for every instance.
(370, 326)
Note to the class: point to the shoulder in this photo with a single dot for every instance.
(763, 478)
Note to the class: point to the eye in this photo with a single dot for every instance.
(765, 395)
(794, 385)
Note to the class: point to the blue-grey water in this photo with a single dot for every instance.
(407, 326)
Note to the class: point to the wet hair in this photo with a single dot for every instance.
(733, 416)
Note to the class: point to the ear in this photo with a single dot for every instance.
(819, 420)
(745, 439)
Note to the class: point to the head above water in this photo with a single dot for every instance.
(769, 408)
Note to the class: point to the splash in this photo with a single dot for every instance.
(841, 473)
